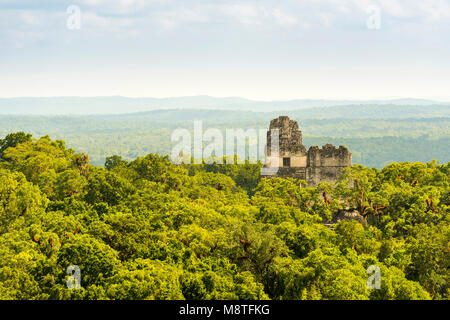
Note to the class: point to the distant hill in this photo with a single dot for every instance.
(123, 105)
(388, 111)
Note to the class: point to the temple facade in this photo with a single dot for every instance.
(293, 160)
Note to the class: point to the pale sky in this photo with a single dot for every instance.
(256, 49)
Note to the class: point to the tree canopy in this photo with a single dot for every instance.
(150, 229)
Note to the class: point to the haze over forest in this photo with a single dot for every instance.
(120, 105)
(377, 132)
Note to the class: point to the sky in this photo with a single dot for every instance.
(255, 49)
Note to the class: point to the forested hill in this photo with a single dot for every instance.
(148, 229)
(376, 135)
(388, 111)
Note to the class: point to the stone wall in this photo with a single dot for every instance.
(326, 164)
(328, 156)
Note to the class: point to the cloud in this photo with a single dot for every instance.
(243, 14)
(257, 15)
(194, 43)
(93, 20)
(144, 16)
(116, 6)
(29, 18)
(171, 19)
(438, 10)
(423, 11)
(19, 28)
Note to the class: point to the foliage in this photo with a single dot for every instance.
(149, 229)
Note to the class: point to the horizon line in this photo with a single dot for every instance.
(226, 97)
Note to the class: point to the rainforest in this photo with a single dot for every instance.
(149, 229)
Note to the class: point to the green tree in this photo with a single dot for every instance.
(12, 140)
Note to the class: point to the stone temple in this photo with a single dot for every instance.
(313, 166)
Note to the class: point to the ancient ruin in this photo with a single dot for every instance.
(313, 166)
